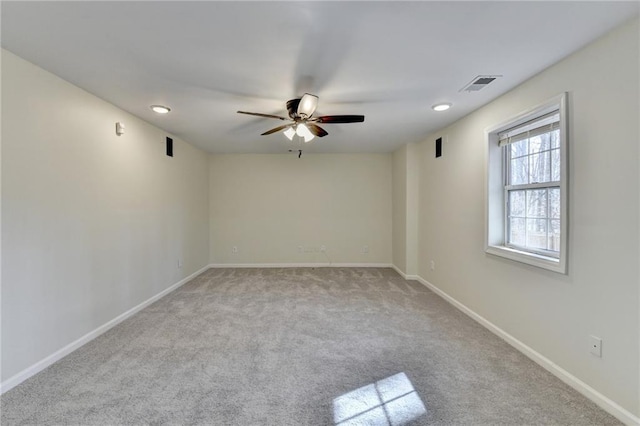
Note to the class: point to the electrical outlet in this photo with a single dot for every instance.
(323, 249)
(300, 249)
(433, 265)
(365, 249)
(234, 250)
(180, 263)
(595, 346)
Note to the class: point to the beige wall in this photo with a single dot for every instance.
(406, 174)
(400, 208)
(93, 224)
(269, 205)
(552, 313)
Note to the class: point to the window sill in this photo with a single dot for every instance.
(540, 261)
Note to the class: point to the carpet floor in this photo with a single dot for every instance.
(300, 346)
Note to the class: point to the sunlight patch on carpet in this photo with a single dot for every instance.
(390, 401)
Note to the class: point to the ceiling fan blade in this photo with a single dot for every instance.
(292, 108)
(316, 130)
(276, 129)
(339, 119)
(263, 115)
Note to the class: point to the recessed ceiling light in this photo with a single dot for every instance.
(160, 109)
(441, 107)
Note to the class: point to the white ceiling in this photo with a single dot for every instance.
(390, 61)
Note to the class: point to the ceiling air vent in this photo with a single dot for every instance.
(479, 83)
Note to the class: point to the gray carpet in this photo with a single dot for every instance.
(298, 347)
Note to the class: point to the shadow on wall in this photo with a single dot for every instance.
(390, 401)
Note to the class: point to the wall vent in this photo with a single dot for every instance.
(479, 83)
(169, 146)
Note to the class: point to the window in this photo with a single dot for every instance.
(527, 188)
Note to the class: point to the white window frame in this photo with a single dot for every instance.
(495, 196)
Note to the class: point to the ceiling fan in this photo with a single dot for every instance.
(303, 123)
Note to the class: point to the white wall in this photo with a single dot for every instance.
(268, 205)
(93, 224)
(552, 313)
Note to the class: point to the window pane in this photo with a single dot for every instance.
(537, 233)
(537, 203)
(526, 172)
(517, 232)
(539, 143)
(517, 203)
(519, 171)
(554, 235)
(555, 139)
(539, 167)
(518, 149)
(555, 165)
(554, 203)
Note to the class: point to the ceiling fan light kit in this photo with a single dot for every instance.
(299, 130)
(303, 124)
(303, 131)
(289, 133)
(307, 106)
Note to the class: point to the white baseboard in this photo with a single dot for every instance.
(403, 275)
(42, 364)
(399, 271)
(602, 401)
(300, 265)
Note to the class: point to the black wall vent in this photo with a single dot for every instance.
(169, 147)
